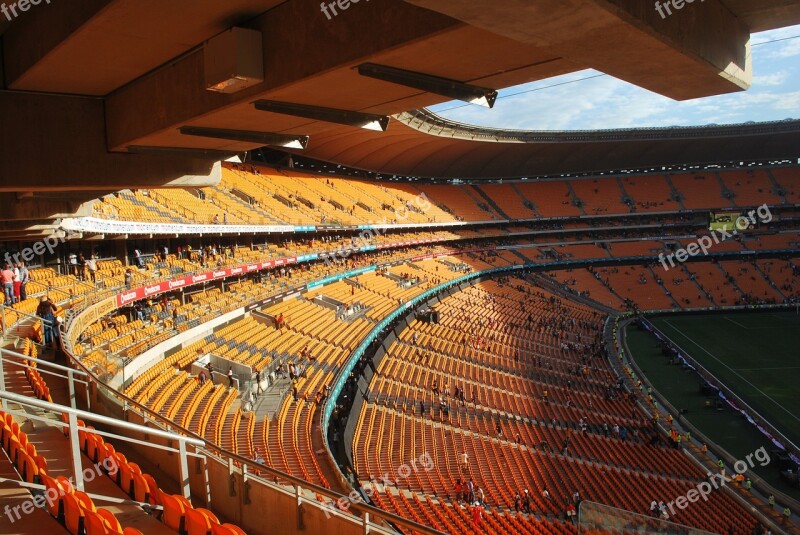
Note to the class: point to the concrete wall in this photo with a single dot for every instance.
(154, 354)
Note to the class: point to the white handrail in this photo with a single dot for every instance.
(40, 365)
(72, 417)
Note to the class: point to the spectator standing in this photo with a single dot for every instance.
(24, 279)
(477, 513)
(73, 263)
(81, 266)
(7, 278)
(17, 284)
(258, 381)
(571, 512)
(92, 265)
(459, 488)
(210, 369)
(47, 311)
(139, 258)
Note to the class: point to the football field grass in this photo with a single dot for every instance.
(756, 355)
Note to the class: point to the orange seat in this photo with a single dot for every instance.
(154, 491)
(101, 522)
(140, 489)
(174, 512)
(14, 447)
(41, 464)
(5, 432)
(83, 438)
(106, 450)
(27, 467)
(125, 478)
(199, 521)
(56, 505)
(121, 465)
(93, 445)
(75, 507)
(226, 529)
(23, 440)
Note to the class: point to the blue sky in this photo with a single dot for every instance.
(590, 100)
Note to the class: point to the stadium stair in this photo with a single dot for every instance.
(489, 201)
(525, 201)
(574, 199)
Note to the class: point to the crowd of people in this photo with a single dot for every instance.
(14, 278)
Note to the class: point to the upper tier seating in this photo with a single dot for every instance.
(259, 195)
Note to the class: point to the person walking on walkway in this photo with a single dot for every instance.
(258, 382)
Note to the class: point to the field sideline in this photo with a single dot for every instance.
(757, 355)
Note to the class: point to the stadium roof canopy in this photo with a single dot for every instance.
(84, 86)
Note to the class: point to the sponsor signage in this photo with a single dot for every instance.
(135, 294)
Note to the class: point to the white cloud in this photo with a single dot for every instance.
(774, 79)
(590, 100)
(784, 49)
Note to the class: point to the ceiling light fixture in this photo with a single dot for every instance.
(368, 121)
(472, 94)
(288, 141)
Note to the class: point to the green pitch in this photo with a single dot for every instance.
(757, 355)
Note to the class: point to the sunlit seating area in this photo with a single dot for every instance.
(537, 404)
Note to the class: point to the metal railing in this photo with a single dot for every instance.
(72, 426)
(17, 359)
(4, 324)
(306, 492)
(249, 465)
